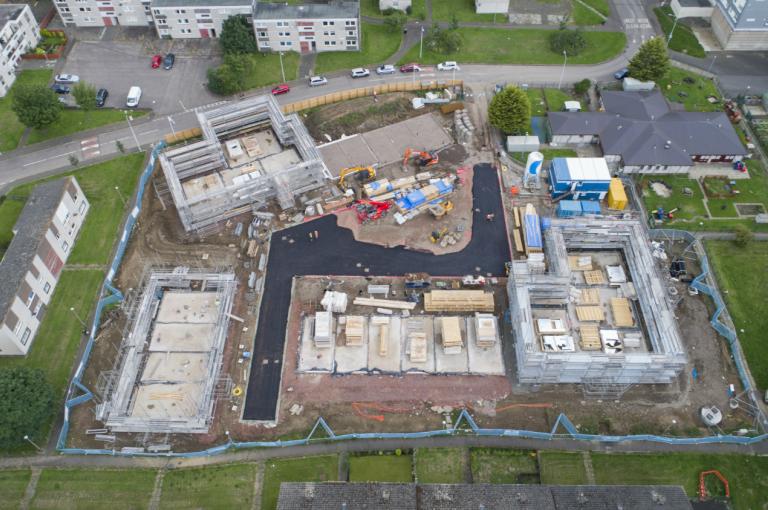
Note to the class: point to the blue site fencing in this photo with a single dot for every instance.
(78, 393)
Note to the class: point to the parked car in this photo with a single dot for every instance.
(156, 61)
(316, 81)
(60, 89)
(134, 96)
(283, 88)
(621, 74)
(360, 72)
(168, 61)
(67, 79)
(101, 97)
(410, 68)
(385, 69)
(448, 66)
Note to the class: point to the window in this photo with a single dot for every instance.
(25, 337)
(329, 32)
(157, 11)
(65, 246)
(183, 21)
(282, 23)
(286, 43)
(330, 43)
(328, 23)
(284, 34)
(180, 11)
(186, 30)
(30, 297)
(47, 287)
(159, 22)
(351, 32)
(351, 43)
(351, 23)
(262, 34)
(203, 16)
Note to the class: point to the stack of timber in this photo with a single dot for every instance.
(486, 334)
(458, 301)
(323, 329)
(384, 303)
(353, 331)
(450, 329)
(383, 323)
(418, 347)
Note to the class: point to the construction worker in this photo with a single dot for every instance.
(490, 216)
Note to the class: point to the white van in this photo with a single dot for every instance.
(134, 95)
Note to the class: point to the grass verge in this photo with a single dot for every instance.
(212, 487)
(440, 465)
(692, 95)
(683, 39)
(307, 469)
(562, 468)
(600, 6)
(380, 468)
(583, 16)
(10, 127)
(503, 466)
(378, 45)
(73, 120)
(745, 294)
(85, 489)
(523, 46)
(463, 10)
(266, 69)
(13, 483)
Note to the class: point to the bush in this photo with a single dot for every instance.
(572, 42)
(510, 111)
(394, 22)
(229, 77)
(36, 106)
(443, 41)
(743, 235)
(582, 87)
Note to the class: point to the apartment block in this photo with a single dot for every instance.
(491, 6)
(19, 33)
(306, 28)
(104, 13)
(193, 19)
(741, 24)
(44, 236)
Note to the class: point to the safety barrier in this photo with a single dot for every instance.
(78, 393)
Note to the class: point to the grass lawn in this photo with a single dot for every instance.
(748, 476)
(225, 487)
(266, 69)
(523, 46)
(538, 106)
(13, 483)
(503, 466)
(556, 99)
(10, 127)
(696, 93)
(582, 16)
(83, 489)
(741, 273)
(562, 468)
(683, 40)
(380, 468)
(689, 207)
(548, 154)
(73, 120)
(378, 45)
(464, 10)
(306, 469)
(600, 6)
(440, 465)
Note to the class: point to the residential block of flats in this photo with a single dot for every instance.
(737, 24)
(306, 28)
(44, 236)
(191, 19)
(19, 33)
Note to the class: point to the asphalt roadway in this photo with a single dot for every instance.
(336, 252)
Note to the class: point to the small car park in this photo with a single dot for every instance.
(101, 97)
(410, 68)
(448, 66)
(168, 61)
(283, 88)
(385, 69)
(60, 89)
(316, 81)
(360, 72)
(621, 74)
(156, 61)
(134, 96)
(67, 79)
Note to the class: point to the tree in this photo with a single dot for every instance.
(237, 36)
(743, 235)
(454, 22)
(582, 87)
(25, 404)
(443, 41)
(229, 77)
(651, 62)
(36, 106)
(568, 41)
(510, 111)
(85, 95)
(395, 21)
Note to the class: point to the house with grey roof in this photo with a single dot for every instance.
(407, 496)
(306, 28)
(43, 238)
(640, 133)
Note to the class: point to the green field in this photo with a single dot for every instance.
(82, 489)
(378, 45)
(306, 469)
(503, 466)
(440, 465)
(13, 483)
(73, 120)
(380, 468)
(689, 207)
(583, 16)
(600, 6)
(683, 39)
(741, 274)
(10, 127)
(212, 487)
(463, 10)
(266, 69)
(695, 94)
(521, 46)
(562, 468)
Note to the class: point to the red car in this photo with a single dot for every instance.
(280, 89)
(156, 61)
(410, 68)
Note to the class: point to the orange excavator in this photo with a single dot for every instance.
(424, 158)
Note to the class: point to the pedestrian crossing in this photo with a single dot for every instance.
(89, 148)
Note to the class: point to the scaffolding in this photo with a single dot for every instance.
(166, 377)
(660, 361)
(254, 184)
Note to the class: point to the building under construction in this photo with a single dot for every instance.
(249, 154)
(600, 315)
(166, 377)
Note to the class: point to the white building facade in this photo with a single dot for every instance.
(104, 13)
(187, 19)
(491, 6)
(19, 34)
(400, 5)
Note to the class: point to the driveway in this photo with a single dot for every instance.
(118, 65)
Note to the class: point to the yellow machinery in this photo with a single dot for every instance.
(345, 172)
(438, 234)
(441, 209)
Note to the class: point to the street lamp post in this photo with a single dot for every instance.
(282, 70)
(135, 138)
(27, 439)
(81, 321)
(562, 72)
(172, 123)
(122, 198)
(672, 31)
(421, 41)
(711, 63)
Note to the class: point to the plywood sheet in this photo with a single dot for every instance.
(580, 262)
(519, 248)
(590, 338)
(451, 331)
(594, 277)
(622, 313)
(590, 314)
(589, 297)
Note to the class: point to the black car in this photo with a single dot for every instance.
(101, 97)
(168, 61)
(60, 89)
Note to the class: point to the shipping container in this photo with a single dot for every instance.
(617, 197)
(568, 208)
(588, 207)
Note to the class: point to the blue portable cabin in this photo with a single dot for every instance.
(579, 178)
(568, 208)
(590, 207)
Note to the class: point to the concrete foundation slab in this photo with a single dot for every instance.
(488, 361)
(312, 359)
(391, 361)
(418, 325)
(188, 307)
(182, 337)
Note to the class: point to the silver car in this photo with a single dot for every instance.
(316, 81)
(67, 79)
(360, 72)
(385, 69)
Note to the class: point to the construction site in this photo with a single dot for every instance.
(384, 280)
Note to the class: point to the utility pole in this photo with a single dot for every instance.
(421, 42)
(674, 25)
(562, 72)
(81, 321)
(172, 123)
(27, 439)
(122, 199)
(282, 70)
